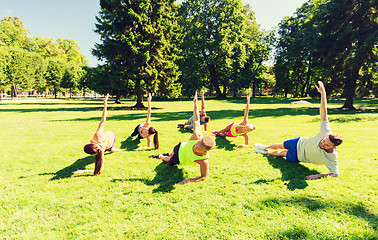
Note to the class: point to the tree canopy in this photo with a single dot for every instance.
(37, 63)
(139, 46)
(330, 40)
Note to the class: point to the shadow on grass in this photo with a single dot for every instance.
(310, 206)
(293, 174)
(166, 178)
(232, 115)
(67, 171)
(224, 143)
(130, 143)
(183, 130)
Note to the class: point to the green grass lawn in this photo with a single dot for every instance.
(248, 195)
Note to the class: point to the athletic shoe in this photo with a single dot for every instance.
(215, 133)
(260, 146)
(165, 154)
(180, 125)
(153, 156)
(257, 150)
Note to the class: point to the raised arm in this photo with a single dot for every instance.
(101, 127)
(197, 133)
(246, 111)
(148, 120)
(323, 101)
(203, 110)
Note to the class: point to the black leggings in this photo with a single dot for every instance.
(136, 132)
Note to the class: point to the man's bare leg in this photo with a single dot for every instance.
(278, 153)
(275, 146)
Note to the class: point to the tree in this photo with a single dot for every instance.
(348, 33)
(138, 42)
(249, 68)
(13, 33)
(329, 40)
(54, 74)
(19, 70)
(75, 63)
(294, 64)
(213, 40)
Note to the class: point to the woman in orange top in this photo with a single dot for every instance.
(101, 142)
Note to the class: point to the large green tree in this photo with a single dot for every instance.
(348, 33)
(213, 41)
(17, 62)
(75, 64)
(329, 40)
(138, 42)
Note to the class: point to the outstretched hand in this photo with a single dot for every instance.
(321, 87)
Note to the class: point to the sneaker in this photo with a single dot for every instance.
(260, 146)
(257, 150)
(153, 156)
(165, 154)
(180, 125)
(215, 133)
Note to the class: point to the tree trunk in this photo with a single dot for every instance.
(14, 91)
(84, 93)
(254, 87)
(55, 91)
(214, 79)
(350, 88)
(118, 99)
(139, 103)
(307, 82)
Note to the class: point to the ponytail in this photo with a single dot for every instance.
(99, 162)
(152, 130)
(156, 140)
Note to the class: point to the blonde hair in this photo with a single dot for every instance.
(208, 142)
(250, 127)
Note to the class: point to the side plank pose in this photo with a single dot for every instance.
(241, 129)
(319, 149)
(204, 119)
(191, 152)
(101, 142)
(145, 130)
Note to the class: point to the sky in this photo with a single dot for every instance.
(75, 19)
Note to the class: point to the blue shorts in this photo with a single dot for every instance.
(291, 145)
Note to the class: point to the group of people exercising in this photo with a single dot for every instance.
(319, 149)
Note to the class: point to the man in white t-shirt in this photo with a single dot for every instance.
(319, 149)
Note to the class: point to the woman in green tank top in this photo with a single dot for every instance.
(193, 151)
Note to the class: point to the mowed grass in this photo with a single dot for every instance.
(248, 195)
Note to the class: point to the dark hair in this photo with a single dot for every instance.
(90, 149)
(207, 119)
(336, 139)
(152, 130)
(99, 161)
(99, 158)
